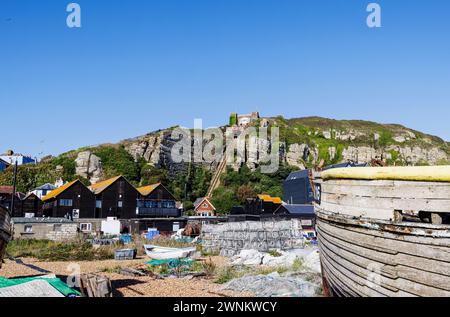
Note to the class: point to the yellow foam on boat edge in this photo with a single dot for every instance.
(407, 173)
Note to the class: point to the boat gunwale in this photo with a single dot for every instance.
(407, 228)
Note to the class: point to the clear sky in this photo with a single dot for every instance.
(139, 65)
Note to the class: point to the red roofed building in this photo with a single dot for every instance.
(204, 208)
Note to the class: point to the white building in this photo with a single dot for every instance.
(11, 158)
(43, 190)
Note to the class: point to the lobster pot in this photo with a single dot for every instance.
(383, 237)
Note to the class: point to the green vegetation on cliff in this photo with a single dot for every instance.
(236, 187)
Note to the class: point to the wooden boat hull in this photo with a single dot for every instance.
(5, 232)
(362, 255)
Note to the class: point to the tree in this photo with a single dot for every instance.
(244, 192)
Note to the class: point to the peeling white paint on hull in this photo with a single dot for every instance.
(365, 256)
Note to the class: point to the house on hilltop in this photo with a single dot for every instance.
(11, 158)
(243, 120)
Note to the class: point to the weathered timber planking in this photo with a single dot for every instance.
(394, 189)
(2, 251)
(387, 203)
(433, 276)
(360, 274)
(418, 267)
(339, 289)
(93, 285)
(352, 281)
(373, 240)
(355, 211)
(357, 246)
(412, 231)
(405, 192)
(357, 231)
(379, 283)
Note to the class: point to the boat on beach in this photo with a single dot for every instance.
(5, 231)
(384, 231)
(165, 253)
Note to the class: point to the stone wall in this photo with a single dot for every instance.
(68, 231)
(230, 238)
(63, 231)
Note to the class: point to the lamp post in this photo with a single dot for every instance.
(14, 188)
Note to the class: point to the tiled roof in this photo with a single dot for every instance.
(47, 186)
(29, 195)
(55, 193)
(147, 190)
(97, 188)
(199, 201)
(298, 209)
(268, 198)
(6, 189)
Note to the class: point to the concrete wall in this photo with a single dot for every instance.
(230, 238)
(67, 231)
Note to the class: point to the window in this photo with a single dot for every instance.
(86, 227)
(66, 202)
(28, 229)
(120, 204)
(98, 204)
(57, 227)
(205, 205)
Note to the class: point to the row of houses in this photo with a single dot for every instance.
(114, 197)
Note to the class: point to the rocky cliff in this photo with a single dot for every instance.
(307, 141)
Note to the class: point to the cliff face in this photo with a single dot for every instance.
(307, 141)
(360, 141)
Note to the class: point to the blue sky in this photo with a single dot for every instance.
(140, 65)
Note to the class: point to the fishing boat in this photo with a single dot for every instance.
(5, 231)
(164, 253)
(384, 231)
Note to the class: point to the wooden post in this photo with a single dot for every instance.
(14, 189)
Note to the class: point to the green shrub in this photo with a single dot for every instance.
(117, 161)
(45, 250)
